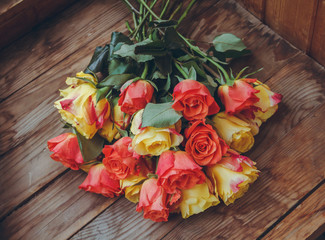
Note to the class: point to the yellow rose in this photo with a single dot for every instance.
(254, 124)
(196, 200)
(110, 128)
(132, 186)
(232, 175)
(268, 103)
(236, 132)
(109, 131)
(151, 140)
(78, 106)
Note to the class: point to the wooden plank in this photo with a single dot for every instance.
(55, 40)
(289, 170)
(301, 82)
(256, 7)
(32, 121)
(317, 50)
(267, 199)
(121, 221)
(269, 50)
(48, 216)
(306, 219)
(294, 22)
(18, 17)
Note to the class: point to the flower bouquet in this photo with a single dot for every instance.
(161, 121)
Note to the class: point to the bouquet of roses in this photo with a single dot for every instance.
(159, 120)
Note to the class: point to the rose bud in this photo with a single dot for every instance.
(151, 140)
(153, 201)
(204, 144)
(197, 199)
(99, 181)
(268, 101)
(232, 175)
(132, 186)
(178, 170)
(135, 96)
(79, 108)
(66, 150)
(194, 100)
(241, 96)
(120, 160)
(234, 131)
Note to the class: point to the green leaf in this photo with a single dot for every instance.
(164, 64)
(122, 65)
(129, 51)
(101, 93)
(155, 48)
(192, 73)
(158, 75)
(89, 148)
(123, 133)
(172, 39)
(228, 41)
(117, 40)
(98, 62)
(153, 84)
(116, 80)
(236, 54)
(160, 115)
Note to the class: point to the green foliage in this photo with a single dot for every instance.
(160, 115)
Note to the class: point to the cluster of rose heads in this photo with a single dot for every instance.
(184, 168)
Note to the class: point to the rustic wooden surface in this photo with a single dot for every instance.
(300, 22)
(40, 198)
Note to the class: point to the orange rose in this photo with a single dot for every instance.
(194, 100)
(99, 181)
(135, 96)
(66, 150)
(120, 159)
(153, 201)
(239, 97)
(177, 170)
(204, 144)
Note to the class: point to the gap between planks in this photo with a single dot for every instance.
(300, 201)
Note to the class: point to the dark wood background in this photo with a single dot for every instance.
(40, 198)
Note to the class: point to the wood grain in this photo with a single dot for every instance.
(53, 41)
(28, 124)
(56, 213)
(301, 82)
(269, 50)
(289, 170)
(18, 17)
(256, 7)
(317, 49)
(286, 176)
(306, 219)
(292, 21)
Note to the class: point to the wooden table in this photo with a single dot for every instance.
(40, 198)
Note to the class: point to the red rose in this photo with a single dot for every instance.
(99, 181)
(120, 159)
(194, 100)
(204, 144)
(135, 96)
(241, 96)
(153, 201)
(177, 170)
(66, 150)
